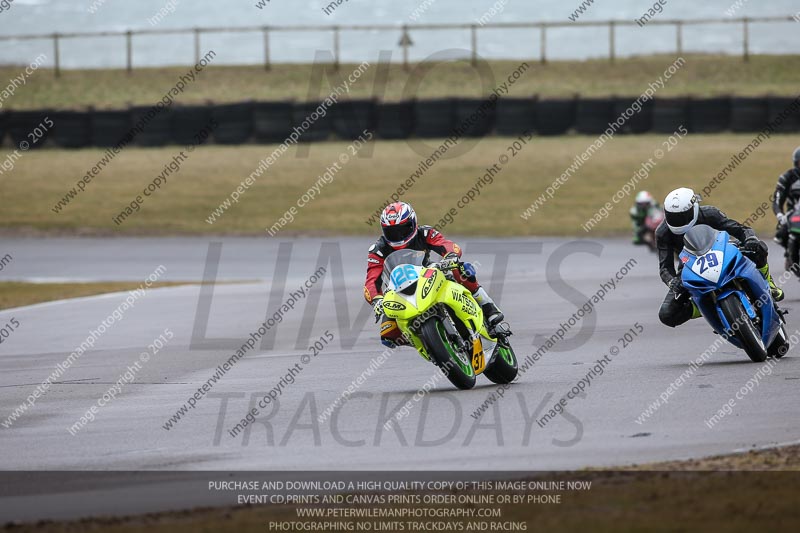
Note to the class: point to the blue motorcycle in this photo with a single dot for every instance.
(732, 294)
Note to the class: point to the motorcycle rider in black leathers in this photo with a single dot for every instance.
(682, 211)
(783, 196)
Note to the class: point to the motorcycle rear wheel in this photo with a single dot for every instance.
(747, 333)
(445, 355)
(793, 255)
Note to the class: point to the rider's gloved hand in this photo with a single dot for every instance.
(377, 307)
(751, 246)
(781, 218)
(448, 262)
(677, 287)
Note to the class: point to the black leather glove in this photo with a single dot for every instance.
(751, 246)
(677, 287)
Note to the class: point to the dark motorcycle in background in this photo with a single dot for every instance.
(793, 244)
(791, 241)
(654, 218)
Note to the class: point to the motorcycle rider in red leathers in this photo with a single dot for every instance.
(400, 232)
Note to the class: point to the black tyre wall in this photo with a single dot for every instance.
(319, 129)
(474, 116)
(188, 121)
(395, 120)
(272, 121)
(636, 122)
(352, 117)
(669, 114)
(234, 123)
(109, 127)
(555, 116)
(71, 129)
(157, 130)
(21, 124)
(709, 115)
(515, 116)
(748, 114)
(594, 114)
(434, 118)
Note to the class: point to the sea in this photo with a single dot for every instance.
(573, 41)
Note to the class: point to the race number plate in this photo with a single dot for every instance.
(709, 265)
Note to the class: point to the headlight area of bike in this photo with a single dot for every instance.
(728, 282)
(404, 279)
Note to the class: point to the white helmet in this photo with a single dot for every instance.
(682, 207)
(644, 199)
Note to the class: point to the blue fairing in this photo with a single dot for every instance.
(733, 266)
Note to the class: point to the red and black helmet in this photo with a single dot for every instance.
(399, 224)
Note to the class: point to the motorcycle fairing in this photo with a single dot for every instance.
(433, 288)
(716, 269)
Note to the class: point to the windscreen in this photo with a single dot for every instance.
(700, 239)
(401, 257)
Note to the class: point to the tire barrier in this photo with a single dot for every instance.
(71, 129)
(669, 114)
(395, 120)
(477, 114)
(593, 115)
(709, 115)
(352, 117)
(235, 122)
(555, 116)
(272, 121)
(157, 130)
(515, 116)
(786, 106)
(434, 118)
(640, 121)
(21, 124)
(187, 121)
(109, 127)
(319, 128)
(748, 114)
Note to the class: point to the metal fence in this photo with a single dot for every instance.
(404, 32)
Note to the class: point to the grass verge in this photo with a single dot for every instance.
(703, 75)
(17, 294)
(211, 173)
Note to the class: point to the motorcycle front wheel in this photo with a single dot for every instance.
(455, 365)
(747, 333)
(504, 368)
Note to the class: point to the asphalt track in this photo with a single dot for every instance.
(539, 285)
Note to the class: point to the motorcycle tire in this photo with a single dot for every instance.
(445, 356)
(780, 345)
(503, 369)
(793, 255)
(747, 333)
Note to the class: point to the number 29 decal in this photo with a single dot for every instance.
(709, 265)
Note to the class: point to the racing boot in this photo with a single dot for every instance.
(492, 315)
(391, 336)
(777, 292)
